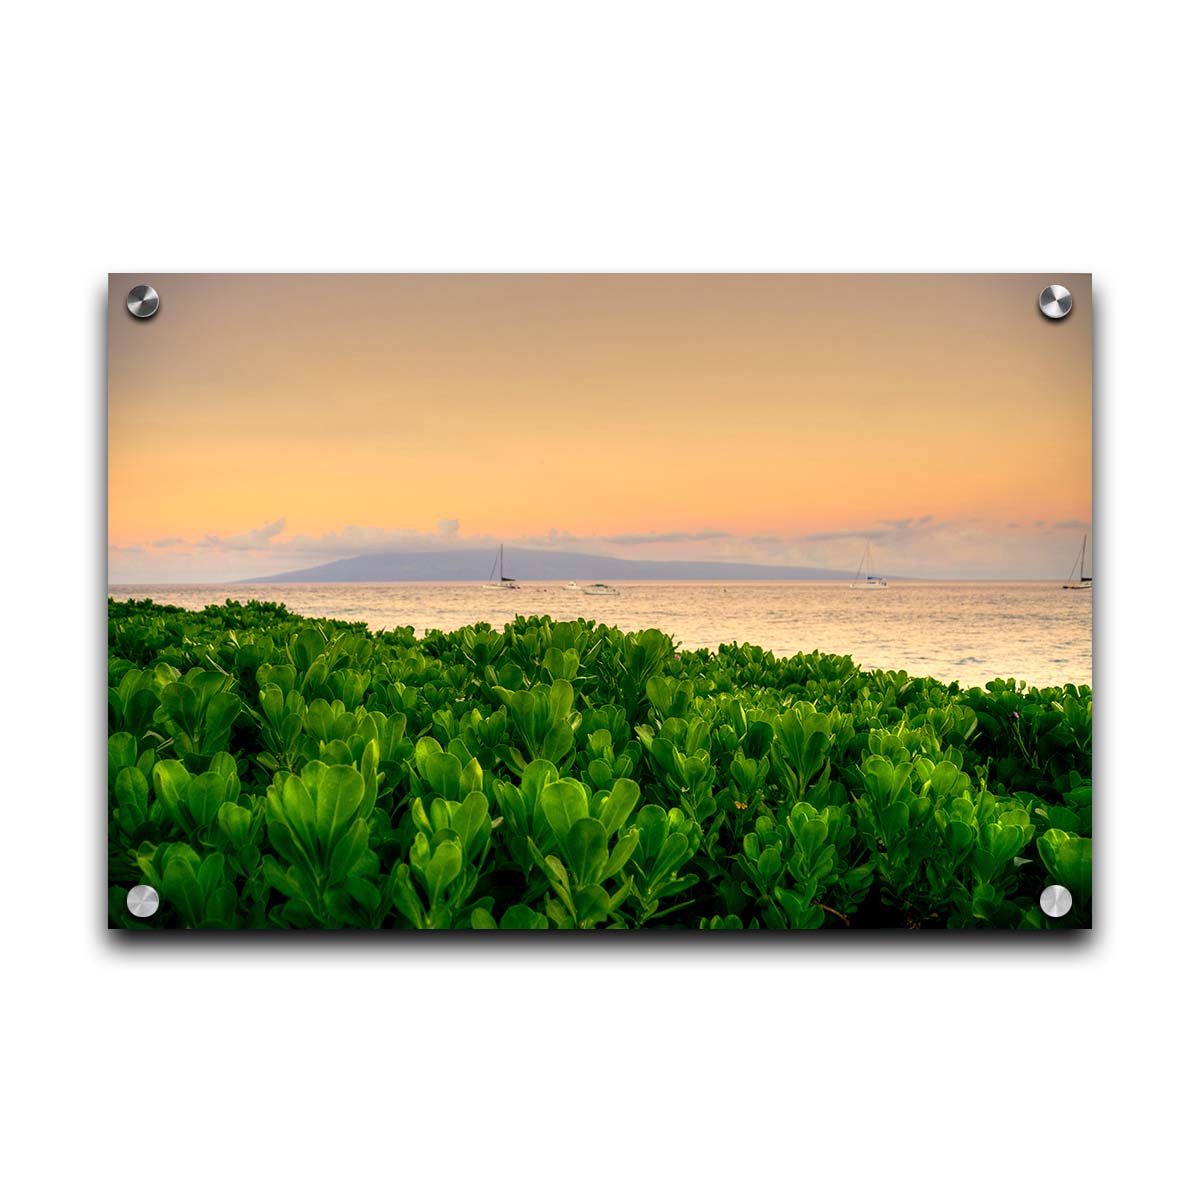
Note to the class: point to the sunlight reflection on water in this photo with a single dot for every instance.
(972, 632)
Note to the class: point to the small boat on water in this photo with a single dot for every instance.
(600, 589)
(1084, 582)
(572, 587)
(862, 581)
(503, 581)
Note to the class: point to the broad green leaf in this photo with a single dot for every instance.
(171, 779)
(234, 822)
(444, 868)
(564, 803)
(614, 813)
(204, 796)
(299, 810)
(586, 849)
(132, 791)
(592, 905)
(621, 853)
(442, 771)
(339, 796)
(349, 847)
(519, 916)
(471, 823)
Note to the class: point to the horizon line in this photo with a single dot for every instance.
(181, 583)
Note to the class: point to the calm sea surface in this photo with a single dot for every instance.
(970, 632)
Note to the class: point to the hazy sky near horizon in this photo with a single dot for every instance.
(260, 423)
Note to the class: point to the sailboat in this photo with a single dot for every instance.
(1084, 582)
(503, 581)
(868, 580)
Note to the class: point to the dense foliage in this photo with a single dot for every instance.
(267, 770)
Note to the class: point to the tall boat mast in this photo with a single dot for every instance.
(1084, 582)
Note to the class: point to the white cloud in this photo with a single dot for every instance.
(914, 547)
(255, 539)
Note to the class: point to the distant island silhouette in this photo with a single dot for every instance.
(465, 566)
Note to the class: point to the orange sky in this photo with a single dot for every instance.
(772, 406)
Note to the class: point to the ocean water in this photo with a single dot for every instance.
(970, 632)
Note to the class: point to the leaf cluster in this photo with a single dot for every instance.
(271, 771)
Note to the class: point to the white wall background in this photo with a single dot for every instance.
(573, 137)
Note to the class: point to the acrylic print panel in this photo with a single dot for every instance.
(565, 602)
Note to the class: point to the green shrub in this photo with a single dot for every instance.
(269, 771)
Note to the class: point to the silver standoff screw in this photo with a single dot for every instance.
(1056, 901)
(142, 900)
(1055, 301)
(142, 301)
